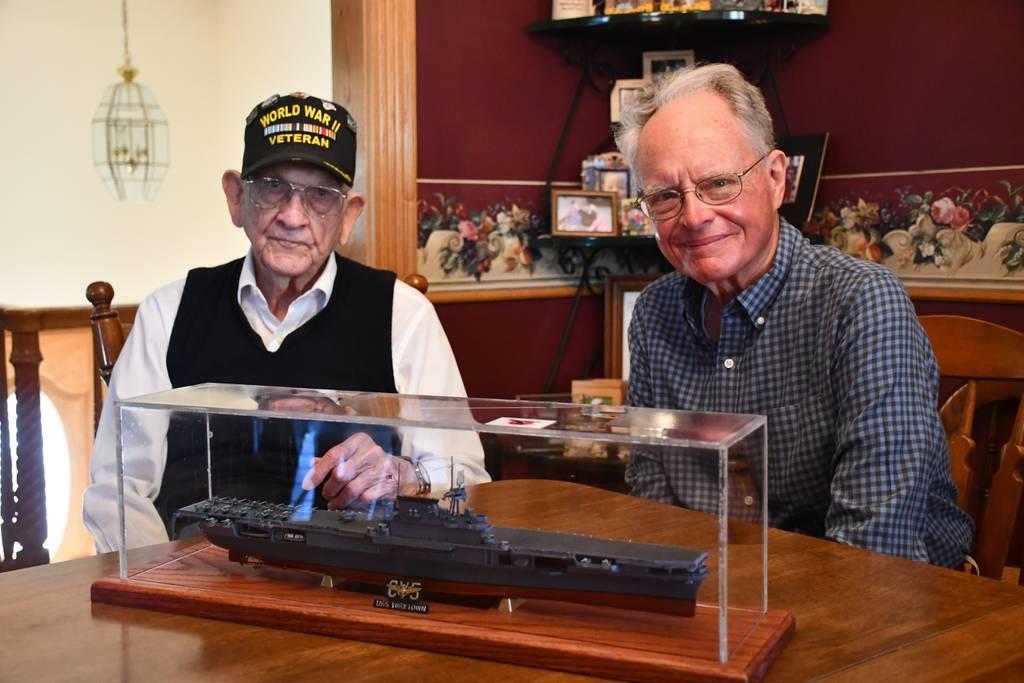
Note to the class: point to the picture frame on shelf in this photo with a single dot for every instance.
(819, 7)
(581, 213)
(685, 5)
(623, 92)
(628, 6)
(742, 5)
(601, 391)
(615, 180)
(593, 168)
(620, 294)
(632, 221)
(805, 157)
(571, 9)
(666, 61)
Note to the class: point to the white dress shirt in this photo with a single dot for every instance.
(422, 359)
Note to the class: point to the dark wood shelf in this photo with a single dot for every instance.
(591, 241)
(673, 21)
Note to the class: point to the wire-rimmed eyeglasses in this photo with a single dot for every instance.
(666, 203)
(273, 193)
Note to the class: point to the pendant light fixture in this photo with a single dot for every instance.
(131, 149)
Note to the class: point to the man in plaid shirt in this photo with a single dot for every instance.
(757, 320)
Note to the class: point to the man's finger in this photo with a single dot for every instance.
(351, 468)
(325, 464)
(376, 481)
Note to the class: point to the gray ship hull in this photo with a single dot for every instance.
(508, 562)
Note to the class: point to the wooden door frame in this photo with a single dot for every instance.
(373, 60)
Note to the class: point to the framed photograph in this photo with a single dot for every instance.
(663, 62)
(571, 9)
(632, 221)
(605, 392)
(593, 168)
(628, 6)
(797, 6)
(685, 5)
(576, 213)
(744, 5)
(813, 7)
(620, 295)
(805, 156)
(623, 93)
(614, 180)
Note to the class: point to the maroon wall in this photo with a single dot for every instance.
(899, 86)
(911, 85)
(507, 348)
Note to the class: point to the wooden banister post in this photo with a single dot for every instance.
(30, 508)
(6, 470)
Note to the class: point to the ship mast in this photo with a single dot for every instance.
(457, 491)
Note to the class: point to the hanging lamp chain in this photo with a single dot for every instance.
(127, 71)
(124, 28)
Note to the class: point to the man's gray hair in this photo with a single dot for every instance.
(744, 99)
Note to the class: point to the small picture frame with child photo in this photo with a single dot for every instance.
(580, 213)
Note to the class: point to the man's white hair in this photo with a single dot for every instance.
(744, 99)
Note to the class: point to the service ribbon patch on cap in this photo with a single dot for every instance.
(298, 127)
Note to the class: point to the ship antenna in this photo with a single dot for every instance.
(456, 494)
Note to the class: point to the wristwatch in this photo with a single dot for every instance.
(422, 478)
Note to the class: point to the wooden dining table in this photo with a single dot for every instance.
(859, 615)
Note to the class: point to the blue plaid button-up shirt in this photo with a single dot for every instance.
(830, 349)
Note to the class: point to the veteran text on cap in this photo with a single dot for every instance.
(300, 127)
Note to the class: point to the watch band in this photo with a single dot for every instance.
(422, 478)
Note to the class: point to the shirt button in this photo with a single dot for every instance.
(760, 321)
(728, 363)
(748, 501)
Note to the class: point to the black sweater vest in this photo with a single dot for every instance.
(345, 346)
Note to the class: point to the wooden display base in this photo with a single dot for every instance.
(200, 581)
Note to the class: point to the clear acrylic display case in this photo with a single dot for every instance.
(712, 464)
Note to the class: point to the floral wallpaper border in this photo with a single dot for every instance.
(932, 232)
(457, 242)
(954, 236)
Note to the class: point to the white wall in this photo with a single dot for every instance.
(207, 62)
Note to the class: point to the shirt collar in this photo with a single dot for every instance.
(756, 299)
(323, 286)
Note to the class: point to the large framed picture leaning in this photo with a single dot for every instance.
(372, 517)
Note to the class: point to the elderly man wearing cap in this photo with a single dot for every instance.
(290, 313)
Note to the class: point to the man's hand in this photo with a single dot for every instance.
(358, 471)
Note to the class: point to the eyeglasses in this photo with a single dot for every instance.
(661, 205)
(273, 193)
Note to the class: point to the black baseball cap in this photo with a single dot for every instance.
(300, 127)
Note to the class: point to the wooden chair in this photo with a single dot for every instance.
(417, 281)
(108, 334)
(991, 358)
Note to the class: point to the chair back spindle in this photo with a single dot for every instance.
(108, 333)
